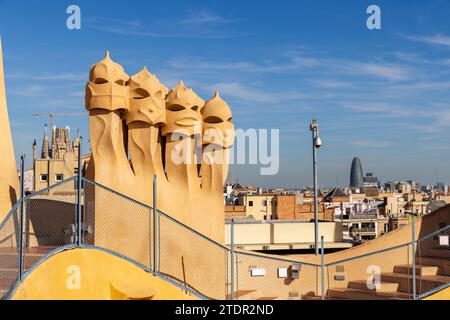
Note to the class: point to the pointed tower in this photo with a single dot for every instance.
(68, 140)
(34, 151)
(9, 179)
(76, 144)
(356, 174)
(45, 152)
(53, 147)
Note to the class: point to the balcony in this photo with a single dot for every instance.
(367, 230)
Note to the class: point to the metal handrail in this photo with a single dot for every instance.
(37, 193)
(14, 208)
(114, 253)
(192, 230)
(227, 250)
(368, 254)
(390, 248)
(432, 234)
(433, 291)
(117, 193)
(310, 264)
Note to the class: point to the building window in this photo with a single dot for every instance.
(44, 178)
(264, 203)
(250, 203)
(59, 177)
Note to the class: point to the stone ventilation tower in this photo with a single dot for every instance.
(356, 174)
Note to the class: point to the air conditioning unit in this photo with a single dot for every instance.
(258, 272)
(295, 271)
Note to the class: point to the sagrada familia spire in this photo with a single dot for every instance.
(45, 151)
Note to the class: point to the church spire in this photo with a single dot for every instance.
(45, 154)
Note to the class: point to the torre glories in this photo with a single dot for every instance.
(356, 174)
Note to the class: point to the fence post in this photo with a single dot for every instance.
(154, 226)
(79, 183)
(322, 267)
(232, 257)
(21, 213)
(413, 252)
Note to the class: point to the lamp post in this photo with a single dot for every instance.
(413, 245)
(316, 144)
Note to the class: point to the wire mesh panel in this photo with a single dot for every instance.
(268, 278)
(115, 222)
(433, 261)
(49, 221)
(9, 251)
(191, 259)
(382, 275)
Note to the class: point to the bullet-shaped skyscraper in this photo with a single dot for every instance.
(356, 174)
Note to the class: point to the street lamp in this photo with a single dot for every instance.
(410, 206)
(316, 144)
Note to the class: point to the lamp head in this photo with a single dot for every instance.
(317, 142)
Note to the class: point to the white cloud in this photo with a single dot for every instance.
(76, 94)
(437, 39)
(425, 85)
(244, 93)
(371, 143)
(381, 108)
(199, 26)
(198, 17)
(47, 76)
(299, 62)
(332, 83)
(28, 91)
(389, 71)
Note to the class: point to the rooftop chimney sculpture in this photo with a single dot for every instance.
(138, 129)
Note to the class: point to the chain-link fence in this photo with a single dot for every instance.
(96, 216)
(383, 274)
(49, 221)
(260, 277)
(191, 259)
(9, 250)
(117, 223)
(409, 271)
(433, 262)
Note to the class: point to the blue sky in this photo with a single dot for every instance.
(382, 95)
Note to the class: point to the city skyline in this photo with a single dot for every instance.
(381, 96)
